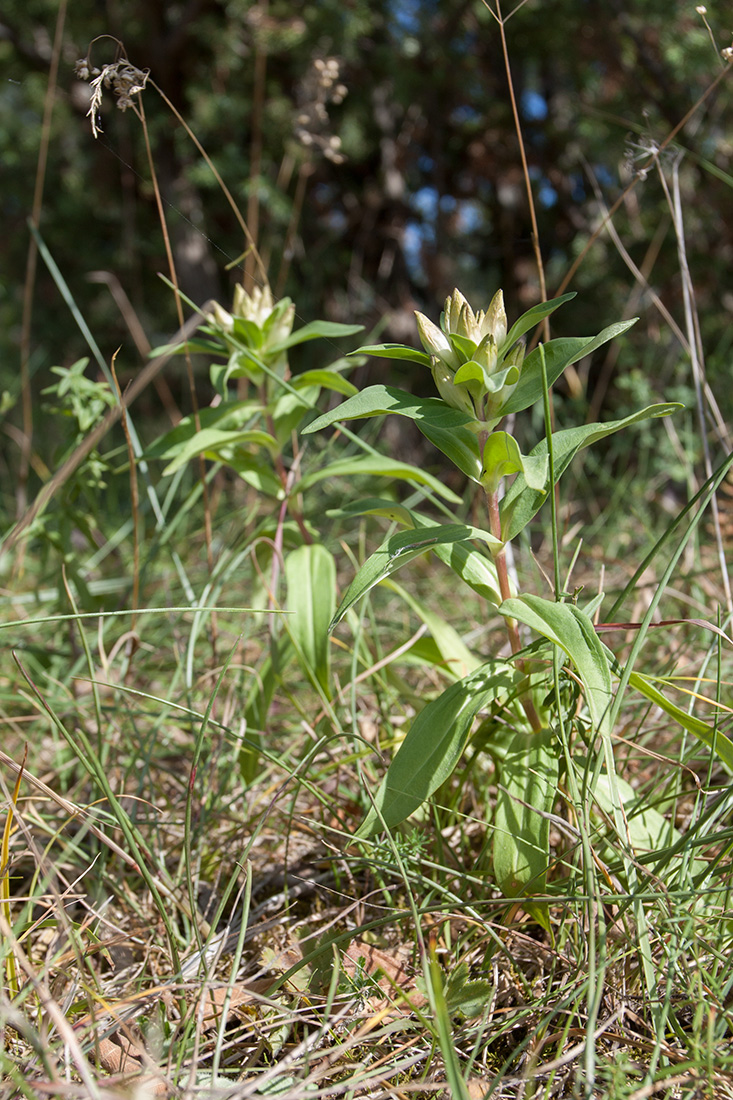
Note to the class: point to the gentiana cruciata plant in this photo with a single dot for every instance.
(526, 700)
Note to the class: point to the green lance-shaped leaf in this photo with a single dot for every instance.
(325, 379)
(559, 354)
(473, 567)
(523, 501)
(433, 745)
(528, 786)
(397, 551)
(502, 458)
(214, 444)
(570, 628)
(257, 473)
(376, 465)
(445, 426)
(312, 331)
(310, 572)
(714, 739)
(232, 415)
(533, 317)
(395, 351)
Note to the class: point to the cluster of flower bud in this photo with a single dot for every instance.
(472, 367)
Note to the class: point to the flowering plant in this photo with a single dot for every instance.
(482, 375)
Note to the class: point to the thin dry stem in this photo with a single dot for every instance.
(208, 534)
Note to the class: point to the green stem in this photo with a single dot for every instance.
(511, 625)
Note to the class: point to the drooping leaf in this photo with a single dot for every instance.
(433, 745)
(378, 466)
(257, 473)
(522, 501)
(310, 572)
(396, 551)
(289, 410)
(559, 354)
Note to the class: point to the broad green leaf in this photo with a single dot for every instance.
(396, 551)
(470, 564)
(212, 442)
(570, 628)
(377, 466)
(325, 379)
(531, 318)
(714, 739)
(455, 655)
(433, 746)
(310, 572)
(395, 351)
(522, 501)
(528, 779)
(312, 331)
(445, 426)
(559, 354)
(502, 458)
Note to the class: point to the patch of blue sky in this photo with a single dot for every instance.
(546, 193)
(425, 202)
(413, 240)
(471, 216)
(463, 114)
(533, 106)
(406, 15)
